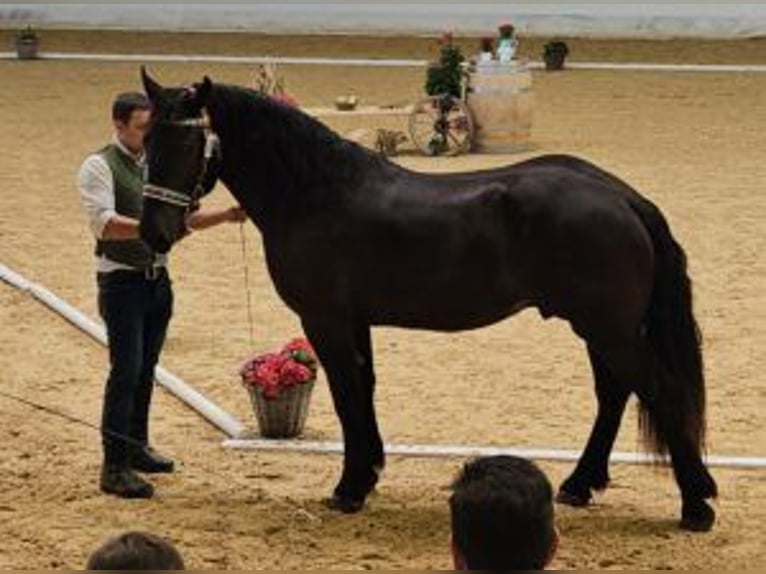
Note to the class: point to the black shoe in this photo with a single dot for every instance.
(125, 483)
(148, 460)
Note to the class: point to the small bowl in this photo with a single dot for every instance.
(346, 103)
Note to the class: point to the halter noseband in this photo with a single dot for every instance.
(177, 198)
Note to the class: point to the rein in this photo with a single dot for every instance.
(212, 146)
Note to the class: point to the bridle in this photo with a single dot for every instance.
(212, 147)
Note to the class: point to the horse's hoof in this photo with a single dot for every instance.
(564, 497)
(699, 517)
(344, 504)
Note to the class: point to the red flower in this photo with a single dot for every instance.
(506, 30)
(295, 364)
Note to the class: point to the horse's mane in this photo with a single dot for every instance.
(312, 154)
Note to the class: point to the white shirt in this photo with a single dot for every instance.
(96, 184)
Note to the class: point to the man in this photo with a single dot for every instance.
(136, 551)
(134, 295)
(502, 516)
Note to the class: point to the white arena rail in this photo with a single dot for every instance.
(383, 63)
(468, 451)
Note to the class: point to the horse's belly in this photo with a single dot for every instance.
(446, 314)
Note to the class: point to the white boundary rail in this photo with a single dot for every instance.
(468, 451)
(384, 63)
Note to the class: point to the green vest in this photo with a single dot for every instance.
(128, 193)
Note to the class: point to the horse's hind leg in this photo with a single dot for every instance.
(694, 480)
(635, 363)
(592, 471)
(336, 345)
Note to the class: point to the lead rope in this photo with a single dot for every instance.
(250, 321)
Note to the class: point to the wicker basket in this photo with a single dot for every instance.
(284, 416)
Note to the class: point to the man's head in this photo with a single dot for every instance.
(136, 551)
(502, 516)
(130, 113)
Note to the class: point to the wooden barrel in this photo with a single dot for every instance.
(500, 100)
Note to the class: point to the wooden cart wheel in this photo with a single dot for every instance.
(441, 125)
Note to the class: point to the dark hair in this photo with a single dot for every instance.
(126, 103)
(502, 515)
(136, 551)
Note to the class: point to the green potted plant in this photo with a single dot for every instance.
(27, 43)
(555, 54)
(445, 77)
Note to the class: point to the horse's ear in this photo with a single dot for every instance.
(153, 90)
(204, 89)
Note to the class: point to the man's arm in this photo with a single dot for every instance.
(96, 186)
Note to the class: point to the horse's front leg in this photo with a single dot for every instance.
(367, 368)
(336, 345)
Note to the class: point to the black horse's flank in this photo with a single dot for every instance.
(353, 241)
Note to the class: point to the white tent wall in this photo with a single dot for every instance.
(653, 20)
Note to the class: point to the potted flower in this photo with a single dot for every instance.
(27, 43)
(555, 53)
(280, 386)
(507, 44)
(487, 53)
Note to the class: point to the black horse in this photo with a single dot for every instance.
(352, 241)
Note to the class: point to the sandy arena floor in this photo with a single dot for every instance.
(691, 142)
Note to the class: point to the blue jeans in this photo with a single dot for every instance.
(136, 311)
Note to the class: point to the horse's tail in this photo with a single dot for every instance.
(675, 336)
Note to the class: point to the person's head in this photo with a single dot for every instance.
(136, 551)
(502, 516)
(131, 112)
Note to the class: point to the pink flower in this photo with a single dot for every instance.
(285, 98)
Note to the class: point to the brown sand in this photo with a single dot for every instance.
(692, 143)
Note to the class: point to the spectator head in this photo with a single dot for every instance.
(502, 516)
(136, 551)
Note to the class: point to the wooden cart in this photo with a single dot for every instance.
(437, 125)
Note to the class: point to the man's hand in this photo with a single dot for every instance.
(121, 228)
(236, 214)
(203, 218)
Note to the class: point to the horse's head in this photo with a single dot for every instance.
(179, 152)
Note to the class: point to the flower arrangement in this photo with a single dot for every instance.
(296, 364)
(268, 84)
(280, 386)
